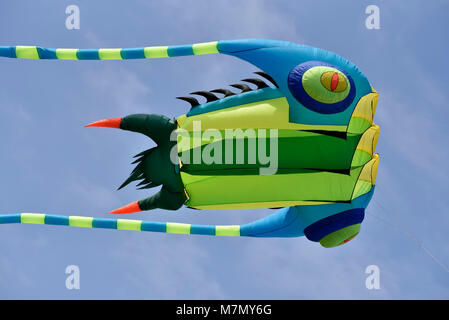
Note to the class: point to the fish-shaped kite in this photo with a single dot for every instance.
(298, 135)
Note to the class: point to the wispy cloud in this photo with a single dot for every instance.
(172, 269)
(119, 87)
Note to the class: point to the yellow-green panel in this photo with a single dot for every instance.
(360, 158)
(205, 48)
(76, 221)
(361, 187)
(227, 231)
(182, 228)
(27, 52)
(109, 54)
(127, 224)
(358, 125)
(258, 205)
(35, 218)
(267, 114)
(66, 54)
(156, 52)
(303, 185)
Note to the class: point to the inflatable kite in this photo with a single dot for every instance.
(299, 136)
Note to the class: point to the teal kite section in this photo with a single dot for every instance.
(291, 221)
(278, 58)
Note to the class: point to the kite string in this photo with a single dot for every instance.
(409, 235)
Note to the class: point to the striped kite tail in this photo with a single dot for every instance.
(120, 224)
(35, 52)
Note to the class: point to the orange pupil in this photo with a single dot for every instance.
(334, 81)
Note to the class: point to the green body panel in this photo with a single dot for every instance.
(313, 166)
(296, 150)
(248, 186)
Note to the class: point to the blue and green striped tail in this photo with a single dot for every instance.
(120, 224)
(330, 222)
(35, 52)
(285, 222)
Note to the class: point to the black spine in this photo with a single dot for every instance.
(226, 92)
(193, 102)
(267, 76)
(241, 86)
(206, 94)
(258, 82)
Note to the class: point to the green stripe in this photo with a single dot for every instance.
(27, 52)
(181, 228)
(205, 48)
(109, 54)
(127, 224)
(156, 52)
(227, 231)
(66, 54)
(76, 221)
(35, 218)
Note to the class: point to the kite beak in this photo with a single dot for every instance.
(129, 208)
(107, 123)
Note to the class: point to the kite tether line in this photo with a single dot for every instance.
(407, 234)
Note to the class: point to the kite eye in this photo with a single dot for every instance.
(334, 81)
(321, 87)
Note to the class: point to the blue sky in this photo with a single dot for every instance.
(50, 163)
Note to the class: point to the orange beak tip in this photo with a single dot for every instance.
(115, 212)
(129, 208)
(107, 123)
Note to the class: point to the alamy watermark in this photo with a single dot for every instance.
(373, 19)
(73, 280)
(372, 282)
(213, 146)
(73, 20)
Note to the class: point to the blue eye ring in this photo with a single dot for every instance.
(295, 84)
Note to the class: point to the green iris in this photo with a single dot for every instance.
(315, 80)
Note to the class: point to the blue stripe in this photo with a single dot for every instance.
(45, 53)
(87, 54)
(104, 223)
(320, 229)
(57, 220)
(202, 229)
(177, 51)
(133, 53)
(8, 52)
(10, 218)
(153, 226)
